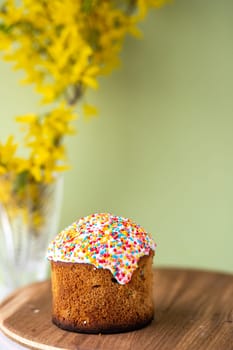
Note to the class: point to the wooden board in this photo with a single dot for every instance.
(194, 310)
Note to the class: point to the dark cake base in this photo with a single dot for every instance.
(110, 329)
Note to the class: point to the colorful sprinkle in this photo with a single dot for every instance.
(105, 241)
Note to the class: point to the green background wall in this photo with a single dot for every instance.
(161, 151)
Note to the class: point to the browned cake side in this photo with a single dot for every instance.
(90, 300)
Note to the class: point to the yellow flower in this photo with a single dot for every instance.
(2, 170)
(27, 118)
(5, 42)
(36, 172)
(64, 43)
(63, 46)
(89, 110)
(7, 153)
(43, 137)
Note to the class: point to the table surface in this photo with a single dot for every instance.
(193, 310)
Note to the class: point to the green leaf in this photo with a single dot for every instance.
(21, 181)
(87, 5)
(4, 28)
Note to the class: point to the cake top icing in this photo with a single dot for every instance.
(105, 241)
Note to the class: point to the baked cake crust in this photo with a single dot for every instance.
(89, 300)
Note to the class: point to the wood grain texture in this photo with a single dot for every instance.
(193, 311)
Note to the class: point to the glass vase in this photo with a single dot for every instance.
(29, 217)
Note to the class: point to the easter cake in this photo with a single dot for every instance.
(101, 273)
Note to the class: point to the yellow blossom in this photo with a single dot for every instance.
(7, 153)
(27, 118)
(62, 43)
(89, 110)
(43, 138)
(63, 46)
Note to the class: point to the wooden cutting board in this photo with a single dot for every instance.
(194, 310)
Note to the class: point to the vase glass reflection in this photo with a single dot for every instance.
(29, 217)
